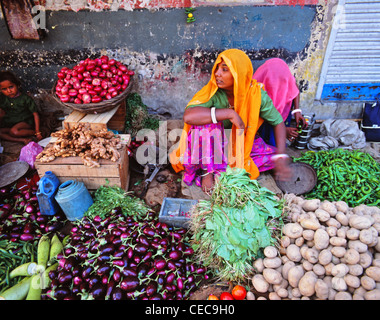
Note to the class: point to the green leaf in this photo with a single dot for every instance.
(263, 237)
(234, 236)
(224, 252)
(210, 225)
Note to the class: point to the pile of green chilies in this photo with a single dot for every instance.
(352, 176)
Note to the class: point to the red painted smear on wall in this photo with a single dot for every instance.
(100, 5)
(293, 2)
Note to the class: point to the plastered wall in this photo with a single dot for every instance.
(172, 58)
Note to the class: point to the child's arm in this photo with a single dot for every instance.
(37, 125)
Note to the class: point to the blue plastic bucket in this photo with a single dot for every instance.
(47, 189)
(74, 199)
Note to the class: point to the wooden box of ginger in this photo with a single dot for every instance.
(116, 173)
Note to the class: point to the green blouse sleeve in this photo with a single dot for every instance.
(268, 111)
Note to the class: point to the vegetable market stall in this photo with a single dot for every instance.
(305, 248)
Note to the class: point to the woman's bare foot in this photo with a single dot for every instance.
(207, 182)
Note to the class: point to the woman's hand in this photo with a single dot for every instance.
(236, 120)
(291, 133)
(282, 170)
(300, 120)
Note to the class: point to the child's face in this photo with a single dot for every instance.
(223, 76)
(8, 88)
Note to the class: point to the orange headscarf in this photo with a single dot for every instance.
(247, 101)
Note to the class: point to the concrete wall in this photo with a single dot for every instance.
(172, 58)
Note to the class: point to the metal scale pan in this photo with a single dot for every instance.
(303, 180)
(12, 171)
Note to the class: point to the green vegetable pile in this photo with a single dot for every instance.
(108, 197)
(352, 176)
(13, 254)
(230, 230)
(137, 115)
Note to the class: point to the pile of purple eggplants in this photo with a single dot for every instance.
(20, 216)
(122, 258)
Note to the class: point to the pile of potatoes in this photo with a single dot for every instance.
(328, 251)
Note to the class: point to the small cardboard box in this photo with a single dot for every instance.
(176, 212)
(72, 168)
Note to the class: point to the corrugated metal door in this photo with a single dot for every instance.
(351, 68)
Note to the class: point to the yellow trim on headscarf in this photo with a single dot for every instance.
(247, 102)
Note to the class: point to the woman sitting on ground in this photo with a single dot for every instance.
(230, 100)
(281, 87)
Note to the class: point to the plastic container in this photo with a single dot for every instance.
(47, 189)
(74, 199)
(176, 212)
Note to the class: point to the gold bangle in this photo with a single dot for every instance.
(37, 133)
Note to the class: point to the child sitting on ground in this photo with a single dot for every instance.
(19, 119)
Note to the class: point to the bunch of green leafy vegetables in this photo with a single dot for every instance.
(107, 198)
(228, 235)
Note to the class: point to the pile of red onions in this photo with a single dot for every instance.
(20, 217)
(92, 81)
(118, 258)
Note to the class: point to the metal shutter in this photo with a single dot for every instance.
(351, 69)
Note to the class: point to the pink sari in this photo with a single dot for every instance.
(207, 149)
(279, 83)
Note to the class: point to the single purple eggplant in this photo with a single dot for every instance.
(107, 248)
(175, 255)
(26, 237)
(151, 288)
(170, 277)
(93, 280)
(140, 248)
(149, 232)
(160, 263)
(117, 294)
(98, 291)
(116, 275)
(65, 277)
(87, 271)
(109, 289)
(143, 240)
(129, 272)
(61, 292)
(129, 283)
(103, 269)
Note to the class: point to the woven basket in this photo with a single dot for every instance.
(95, 108)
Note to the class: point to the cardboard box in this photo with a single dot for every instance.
(70, 168)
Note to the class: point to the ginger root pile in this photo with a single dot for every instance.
(83, 142)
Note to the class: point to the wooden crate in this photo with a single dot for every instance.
(112, 120)
(70, 168)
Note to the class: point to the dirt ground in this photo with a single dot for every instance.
(167, 183)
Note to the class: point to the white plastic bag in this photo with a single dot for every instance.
(338, 133)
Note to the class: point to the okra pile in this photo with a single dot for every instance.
(351, 176)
